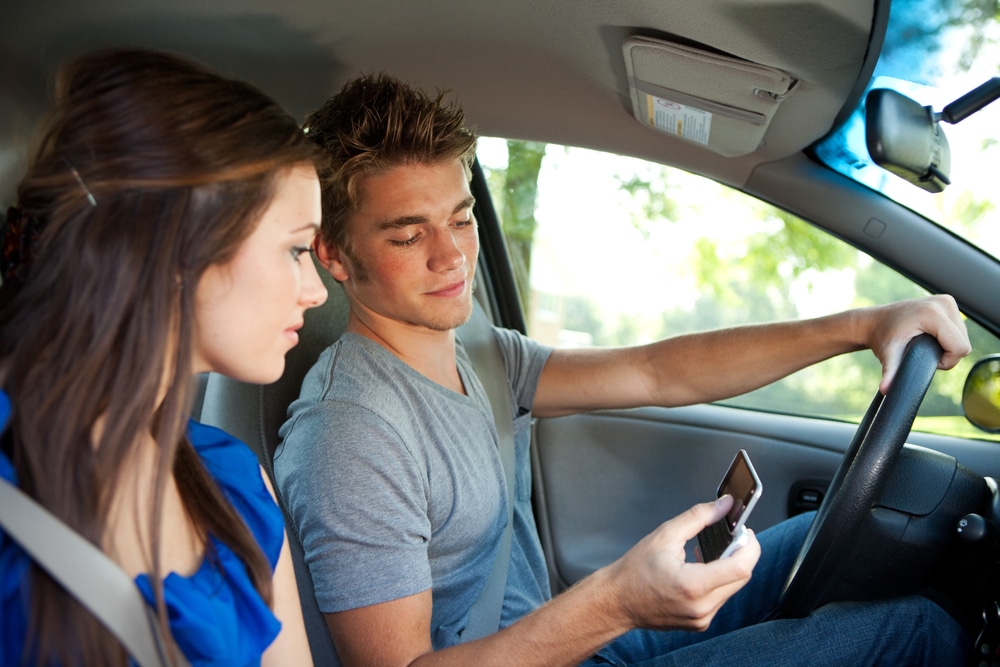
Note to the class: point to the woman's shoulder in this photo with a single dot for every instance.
(227, 458)
(6, 467)
(14, 567)
(238, 473)
(4, 410)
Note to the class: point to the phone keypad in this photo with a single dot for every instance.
(714, 539)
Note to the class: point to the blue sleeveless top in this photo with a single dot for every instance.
(216, 615)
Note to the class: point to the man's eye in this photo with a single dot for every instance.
(406, 242)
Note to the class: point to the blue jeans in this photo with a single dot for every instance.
(902, 631)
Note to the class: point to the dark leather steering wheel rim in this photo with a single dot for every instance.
(859, 481)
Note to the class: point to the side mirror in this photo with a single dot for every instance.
(981, 396)
(907, 140)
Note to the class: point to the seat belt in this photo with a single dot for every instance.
(484, 352)
(95, 580)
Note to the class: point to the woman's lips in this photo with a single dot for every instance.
(292, 333)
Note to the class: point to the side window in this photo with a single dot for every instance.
(615, 251)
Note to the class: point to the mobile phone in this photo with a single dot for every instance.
(728, 534)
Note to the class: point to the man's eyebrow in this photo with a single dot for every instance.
(468, 202)
(407, 220)
(403, 221)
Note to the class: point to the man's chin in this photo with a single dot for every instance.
(448, 325)
(450, 321)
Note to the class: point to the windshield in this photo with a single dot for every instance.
(935, 51)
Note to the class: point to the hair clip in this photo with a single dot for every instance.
(79, 179)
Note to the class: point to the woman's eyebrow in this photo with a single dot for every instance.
(314, 226)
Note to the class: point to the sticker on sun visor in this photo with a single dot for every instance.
(688, 122)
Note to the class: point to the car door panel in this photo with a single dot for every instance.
(604, 480)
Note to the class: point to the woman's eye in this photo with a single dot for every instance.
(298, 251)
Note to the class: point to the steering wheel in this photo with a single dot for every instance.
(859, 482)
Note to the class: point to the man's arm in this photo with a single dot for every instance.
(650, 586)
(705, 367)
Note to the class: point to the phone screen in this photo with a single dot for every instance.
(742, 484)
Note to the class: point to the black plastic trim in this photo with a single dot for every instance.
(494, 258)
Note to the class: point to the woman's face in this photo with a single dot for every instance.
(248, 311)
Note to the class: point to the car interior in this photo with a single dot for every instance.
(758, 88)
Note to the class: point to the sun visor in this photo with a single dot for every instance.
(719, 101)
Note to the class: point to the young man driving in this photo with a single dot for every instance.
(389, 462)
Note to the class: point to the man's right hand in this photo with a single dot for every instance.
(656, 588)
(651, 586)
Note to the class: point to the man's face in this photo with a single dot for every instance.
(414, 246)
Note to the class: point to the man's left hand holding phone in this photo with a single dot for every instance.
(728, 534)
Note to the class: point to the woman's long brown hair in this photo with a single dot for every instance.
(180, 163)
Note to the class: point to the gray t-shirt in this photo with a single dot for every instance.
(395, 485)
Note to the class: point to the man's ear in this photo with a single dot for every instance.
(329, 256)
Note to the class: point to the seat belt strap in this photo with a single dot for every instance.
(484, 352)
(95, 580)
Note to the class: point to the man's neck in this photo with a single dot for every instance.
(429, 352)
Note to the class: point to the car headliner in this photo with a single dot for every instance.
(551, 71)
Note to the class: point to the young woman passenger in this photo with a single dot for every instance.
(162, 230)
